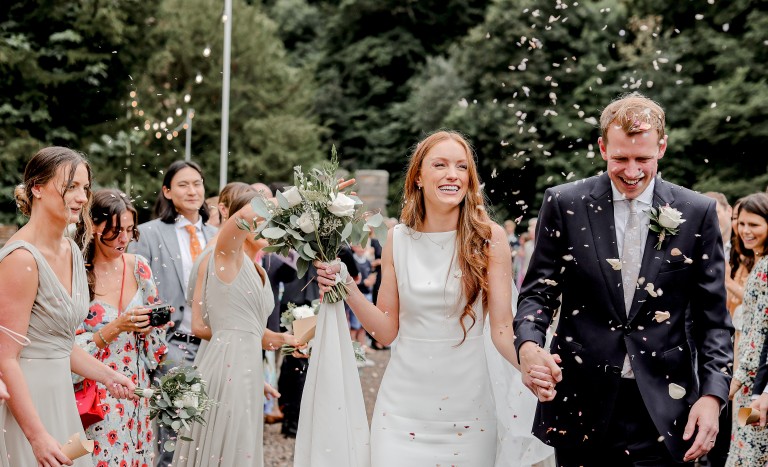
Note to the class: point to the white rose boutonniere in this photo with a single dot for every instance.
(665, 220)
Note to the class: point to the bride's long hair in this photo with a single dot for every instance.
(474, 226)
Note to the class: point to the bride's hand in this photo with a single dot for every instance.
(329, 273)
(270, 392)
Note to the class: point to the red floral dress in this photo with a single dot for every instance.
(124, 437)
(749, 444)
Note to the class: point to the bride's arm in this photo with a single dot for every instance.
(500, 295)
(500, 311)
(381, 321)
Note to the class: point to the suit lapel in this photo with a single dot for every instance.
(601, 221)
(171, 244)
(652, 258)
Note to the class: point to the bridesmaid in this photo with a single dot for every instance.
(235, 297)
(117, 329)
(44, 296)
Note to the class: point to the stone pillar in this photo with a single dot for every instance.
(6, 232)
(373, 188)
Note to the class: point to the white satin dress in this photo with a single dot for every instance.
(436, 405)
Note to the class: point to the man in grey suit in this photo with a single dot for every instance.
(171, 242)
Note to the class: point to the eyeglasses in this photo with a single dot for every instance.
(115, 233)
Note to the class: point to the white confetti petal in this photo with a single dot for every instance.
(676, 391)
(615, 263)
(661, 316)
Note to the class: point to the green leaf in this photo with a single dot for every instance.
(169, 446)
(295, 234)
(381, 232)
(273, 248)
(347, 231)
(302, 266)
(375, 220)
(260, 207)
(309, 251)
(281, 201)
(274, 233)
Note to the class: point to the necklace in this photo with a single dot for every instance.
(440, 244)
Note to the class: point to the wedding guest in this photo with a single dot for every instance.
(43, 298)
(749, 446)
(446, 269)
(633, 390)
(171, 243)
(117, 329)
(235, 295)
(212, 204)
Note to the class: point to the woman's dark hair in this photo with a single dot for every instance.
(756, 203)
(737, 257)
(108, 205)
(41, 169)
(164, 208)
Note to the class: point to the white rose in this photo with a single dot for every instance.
(341, 205)
(147, 393)
(307, 222)
(670, 218)
(196, 387)
(293, 196)
(189, 400)
(301, 312)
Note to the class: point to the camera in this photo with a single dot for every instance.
(159, 315)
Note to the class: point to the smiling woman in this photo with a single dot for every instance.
(43, 296)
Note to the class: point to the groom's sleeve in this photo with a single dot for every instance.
(541, 286)
(712, 328)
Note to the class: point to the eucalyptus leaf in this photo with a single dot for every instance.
(169, 446)
(381, 232)
(309, 251)
(375, 220)
(295, 234)
(260, 207)
(302, 265)
(347, 231)
(281, 201)
(274, 233)
(273, 248)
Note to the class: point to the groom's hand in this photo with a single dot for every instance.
(540, 371)
(705, 415)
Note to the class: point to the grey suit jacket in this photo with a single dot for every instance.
(159, 244)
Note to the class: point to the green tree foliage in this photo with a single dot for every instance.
(271, 125)
(62, 66)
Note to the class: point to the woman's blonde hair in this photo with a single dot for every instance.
(474, 227)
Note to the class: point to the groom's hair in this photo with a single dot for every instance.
(632, 112)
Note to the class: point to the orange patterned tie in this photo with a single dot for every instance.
(194, 243)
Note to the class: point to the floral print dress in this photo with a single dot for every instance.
(124, 438)
(749, 444)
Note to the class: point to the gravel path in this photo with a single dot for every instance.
(278, 450)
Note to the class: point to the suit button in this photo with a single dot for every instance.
(181, 308)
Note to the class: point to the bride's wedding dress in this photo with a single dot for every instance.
(439, 403)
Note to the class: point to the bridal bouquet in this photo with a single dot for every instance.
(315, 219)
(179, 400)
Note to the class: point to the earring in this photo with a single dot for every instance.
(419, 186)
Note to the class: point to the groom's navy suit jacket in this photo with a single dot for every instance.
(692, 348)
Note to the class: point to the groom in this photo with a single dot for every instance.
(643, 334)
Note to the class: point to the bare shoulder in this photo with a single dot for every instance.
(19, 274)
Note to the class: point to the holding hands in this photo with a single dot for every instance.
(540, 371)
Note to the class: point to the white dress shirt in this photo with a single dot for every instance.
(186, 263)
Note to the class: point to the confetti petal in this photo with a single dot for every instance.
(615, 263)
(676, 391)
(661, 316)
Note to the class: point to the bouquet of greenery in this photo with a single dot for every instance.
(315, 219)
(177, 401)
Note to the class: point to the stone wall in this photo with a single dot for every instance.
(372, 189)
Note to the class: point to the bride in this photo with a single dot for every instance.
(446, 270)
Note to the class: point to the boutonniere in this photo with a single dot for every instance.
(665, 220)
